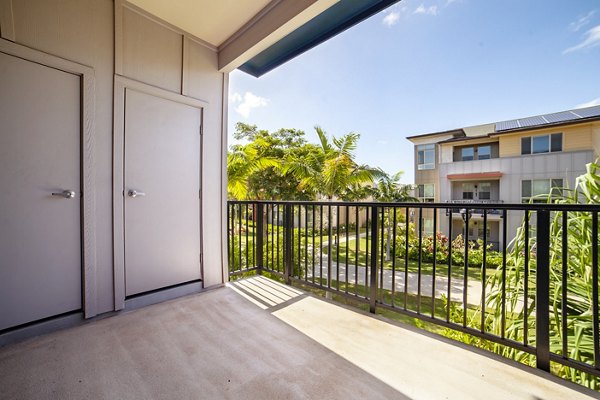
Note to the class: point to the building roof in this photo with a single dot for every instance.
(579, 115)
(456, 133)
(550, 119)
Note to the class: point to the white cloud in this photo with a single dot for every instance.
(391, 19)
(235, 98)
(581, 21)
(248, 103)
(431, 10)
(592, 39)
(591, 103)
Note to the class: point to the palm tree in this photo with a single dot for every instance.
(242, 162)
(331, 170)
(390, 190)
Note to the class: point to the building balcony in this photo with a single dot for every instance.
(259, 339)
(474, 212)
(500, 300)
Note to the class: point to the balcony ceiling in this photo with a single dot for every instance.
(211, 21)
(257, 36)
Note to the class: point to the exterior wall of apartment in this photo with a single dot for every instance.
(566, 165)
(84, 32)
(576, 137)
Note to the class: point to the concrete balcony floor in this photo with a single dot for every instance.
(258, 339)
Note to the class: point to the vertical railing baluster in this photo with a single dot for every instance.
(356, 250)
(381, 256)
(247, 239)
(229, 240)
(306, 242)
(449, 291)
(337, 247)
(373, 282)
(321, 245)
(526, 283)
(542, 291)
(347, 248)
(565, 333)
(288, 226)
(483, 271)
(299, 256)
(466, 215)
(313, 243)
(595, 288)
(394, 256)
(240, 235)
(504, 245)
(329, 244)
(420, 259)
(435, 212)
(406, 244)
(258, 211)
(367, 244)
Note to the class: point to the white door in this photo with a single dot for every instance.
(40, 233)
(161, 192)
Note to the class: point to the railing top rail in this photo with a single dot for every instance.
(483, 206)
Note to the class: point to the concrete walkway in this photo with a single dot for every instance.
(474, 287)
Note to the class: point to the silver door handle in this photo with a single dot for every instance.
(67, 194)
(134, 193)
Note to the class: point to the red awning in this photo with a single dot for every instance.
(475, 176)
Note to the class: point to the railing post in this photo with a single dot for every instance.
(374, 255)
(542, 291)
(288, 225)
(259, 231)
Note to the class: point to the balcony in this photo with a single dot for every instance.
(259, 339)
(475, 212)
(526, 301)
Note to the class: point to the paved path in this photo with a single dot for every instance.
(342, 239)
(474, 287)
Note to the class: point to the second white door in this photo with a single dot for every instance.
(161, 192)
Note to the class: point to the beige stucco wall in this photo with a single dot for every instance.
(576, 137)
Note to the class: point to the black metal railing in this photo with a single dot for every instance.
(535, 299)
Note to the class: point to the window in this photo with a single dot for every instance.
(485, 191)
(427, 226)
(467, 153)
(426, 156)
(484, 152)
(540, 187)
(470, 153)
(541, 144)
(426, 192)
(468, 191)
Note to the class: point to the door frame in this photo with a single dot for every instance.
(87, 161)
(121, 84)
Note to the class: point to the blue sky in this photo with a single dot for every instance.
(431, 65)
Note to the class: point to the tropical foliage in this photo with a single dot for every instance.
(579, 301)
(283, 165)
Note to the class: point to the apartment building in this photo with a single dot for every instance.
(504, 162)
